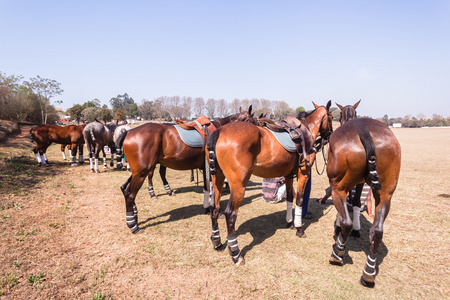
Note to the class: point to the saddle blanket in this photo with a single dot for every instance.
(192, 138)
(285, 140)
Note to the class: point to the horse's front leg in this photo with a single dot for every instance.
(375, 237)
(302, 176)
(214, 208)
(105, 166)
(289, 181)
(63, 147)
(151, 191)
(345, 222)
(162, 173)
(97, 156)
(73, 154)
(80, 153)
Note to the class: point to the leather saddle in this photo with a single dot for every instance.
(298, 131)
(197, 124)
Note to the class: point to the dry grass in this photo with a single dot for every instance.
(63, 235)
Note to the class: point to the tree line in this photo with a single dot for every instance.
(29, 101)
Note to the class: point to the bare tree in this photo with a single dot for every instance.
(266, 107)
(211, 107)
(282, 110)
(235, 104)
(187, 105)
(199, 106)
(222, 108)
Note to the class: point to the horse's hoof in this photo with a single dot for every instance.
(192, 182)
(300, 232)
(81, 162)
(138, 231)
(335, 261)
(240, 261)
(119, 166)
(366, 283)
(92, 171)
(219, 248)
(97, 171)
(105, 167)
(73, 164)
(355, 234)
(290, 225)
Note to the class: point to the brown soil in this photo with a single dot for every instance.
(64, 235)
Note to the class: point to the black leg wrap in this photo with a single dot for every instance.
(369, 273)
(131, 222)
(212, 163)
(233, 248)
(151, 191)
(215, 238)
(168, 190)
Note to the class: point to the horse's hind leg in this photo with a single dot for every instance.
(80, 154)
(214, 209)
(340, 202)
(105, 166)
(129, 190)
(383, 201)
(151, 191)
(73, 155)
(162, 172)
(63, 147)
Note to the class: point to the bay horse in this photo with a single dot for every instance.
(239, 150)
(45, 135)
(96, 136)
(152, 143)
(363, 150)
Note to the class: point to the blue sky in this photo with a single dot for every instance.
(394, 55)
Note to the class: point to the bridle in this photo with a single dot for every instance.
(323, 140)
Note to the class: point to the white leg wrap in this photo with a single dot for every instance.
(356, 218)
(104, 161)
(206, 199)
(289, 217)
(96, 164)
(43, 159)
(338, 223)
(91, 162)
(298, 216)
(64, 155)
(70, 152)
(38, 157)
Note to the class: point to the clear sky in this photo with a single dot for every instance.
(394, 55)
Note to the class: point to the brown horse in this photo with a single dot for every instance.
(45, 135)
(363, 150)
(153, 143)
(348, 112)
(239, 150)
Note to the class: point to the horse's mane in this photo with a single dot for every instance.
(304, 114)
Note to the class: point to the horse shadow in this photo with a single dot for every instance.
(188, 212)
(263, 227)
(361, 244)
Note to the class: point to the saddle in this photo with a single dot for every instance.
(298, 131)
(197, 124)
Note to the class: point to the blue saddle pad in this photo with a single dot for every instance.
(285, 140)
(192, 138)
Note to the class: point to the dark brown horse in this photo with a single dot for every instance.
(45, 135)
(239, 150)
(153, 143)
(98, 135)
(363, 150)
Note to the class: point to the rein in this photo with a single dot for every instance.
(324, 158)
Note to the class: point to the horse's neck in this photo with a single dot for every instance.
(314, 122)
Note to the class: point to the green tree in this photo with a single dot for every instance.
(299, 109)
(336, 113)
(93, 103)
(75, 112)
(146, 110)
(45, 89)
(125, 102)
(120, 115)
(386, 120)
(91, 113)
(106, 114)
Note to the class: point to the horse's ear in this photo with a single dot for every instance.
(328, 105)
(315, 105)
(240, 109)
(356, 104)
(250, 109)
(261, 115)
(340, 106)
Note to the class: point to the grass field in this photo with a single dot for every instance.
(64, 235)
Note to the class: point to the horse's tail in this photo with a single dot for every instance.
(119, 145)
(211, 145)
(91, 131)
(369, 146)
(31, 135)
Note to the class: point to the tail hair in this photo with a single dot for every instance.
(119, 143)
(211, 145)
(92, 135)
(369, 146)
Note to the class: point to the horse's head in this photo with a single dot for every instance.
(326, 123)
(348, 112)
(245, 116)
